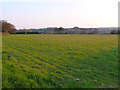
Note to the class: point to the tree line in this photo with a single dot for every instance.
(10, 28)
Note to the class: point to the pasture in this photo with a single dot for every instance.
(60, 61)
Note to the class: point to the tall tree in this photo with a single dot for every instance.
(59, 30)
(7, 27)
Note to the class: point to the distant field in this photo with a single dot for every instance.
(60, 61)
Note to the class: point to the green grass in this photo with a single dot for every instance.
(60, 61)
(0, 61)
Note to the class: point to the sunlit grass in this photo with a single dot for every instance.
(60, 61)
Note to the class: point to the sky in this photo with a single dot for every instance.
(60, 13)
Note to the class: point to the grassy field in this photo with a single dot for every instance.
(60, 61)
(0, 61)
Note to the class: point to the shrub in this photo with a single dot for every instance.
(113, 32)
(27, 33)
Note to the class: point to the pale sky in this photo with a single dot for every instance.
(56, 13)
